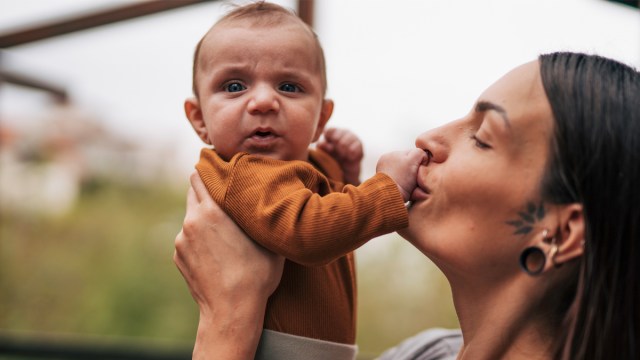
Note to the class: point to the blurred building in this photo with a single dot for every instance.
(45, 163)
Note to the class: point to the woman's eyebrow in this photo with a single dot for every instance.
(483, 106)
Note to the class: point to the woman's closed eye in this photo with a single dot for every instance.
(479, 143)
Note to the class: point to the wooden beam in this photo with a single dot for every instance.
(59, 93)
(69, 25)
(73, 24)
(305, 11)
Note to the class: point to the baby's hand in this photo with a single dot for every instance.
(346, 148)
(402, 167)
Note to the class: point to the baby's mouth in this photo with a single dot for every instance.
(263, 138)
(262, 134)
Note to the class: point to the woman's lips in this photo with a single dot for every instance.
(421, 192)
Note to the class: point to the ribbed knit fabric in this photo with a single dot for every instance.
(303, 211)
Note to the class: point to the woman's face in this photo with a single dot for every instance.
(478, 199)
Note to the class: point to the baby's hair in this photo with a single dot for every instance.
(261, 14)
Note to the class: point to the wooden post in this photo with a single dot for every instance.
(305, 11)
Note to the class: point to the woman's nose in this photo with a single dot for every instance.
(264, 99)
(435, 143)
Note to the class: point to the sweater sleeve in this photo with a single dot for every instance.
(287, 207)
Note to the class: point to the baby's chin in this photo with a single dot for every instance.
(272, 154)
(225, 155)
(277, 155)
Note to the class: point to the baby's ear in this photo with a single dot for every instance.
(325, 115)
(194, 113)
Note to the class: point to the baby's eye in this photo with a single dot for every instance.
(288, 87)
(234, 87)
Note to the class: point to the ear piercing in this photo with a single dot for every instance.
(533, 259)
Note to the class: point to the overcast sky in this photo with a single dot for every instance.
(396, 68)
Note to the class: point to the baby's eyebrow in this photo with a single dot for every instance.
(231, 69)
(483, 106)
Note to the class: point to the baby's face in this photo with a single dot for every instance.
(260, 90)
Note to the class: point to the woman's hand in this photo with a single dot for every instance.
(229, 276)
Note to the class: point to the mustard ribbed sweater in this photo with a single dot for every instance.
(303, 211)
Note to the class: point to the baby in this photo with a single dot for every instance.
(259, 83)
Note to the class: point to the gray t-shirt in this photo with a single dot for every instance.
(275, 345)
(432, 344)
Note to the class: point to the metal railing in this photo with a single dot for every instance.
(20, 347)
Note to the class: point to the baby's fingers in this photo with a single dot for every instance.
(417, 156)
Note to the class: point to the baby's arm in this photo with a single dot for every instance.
(402, 167)
(278, 204)
(346, 148)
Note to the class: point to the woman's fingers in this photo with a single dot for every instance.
(216, 257)
(198, 187)
(192, 200)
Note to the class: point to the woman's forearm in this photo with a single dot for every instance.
(230, 333)
(230, 278)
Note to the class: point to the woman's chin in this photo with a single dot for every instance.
(409, 235)
(405, 233)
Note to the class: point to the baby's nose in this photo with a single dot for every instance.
(264, 99)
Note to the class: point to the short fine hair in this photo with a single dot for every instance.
(264, 14)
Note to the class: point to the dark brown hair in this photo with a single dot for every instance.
(595, 161)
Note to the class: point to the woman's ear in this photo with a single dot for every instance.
(194, 113)
(571, 233)
(325, 115)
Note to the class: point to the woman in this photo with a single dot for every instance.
(527, 205)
